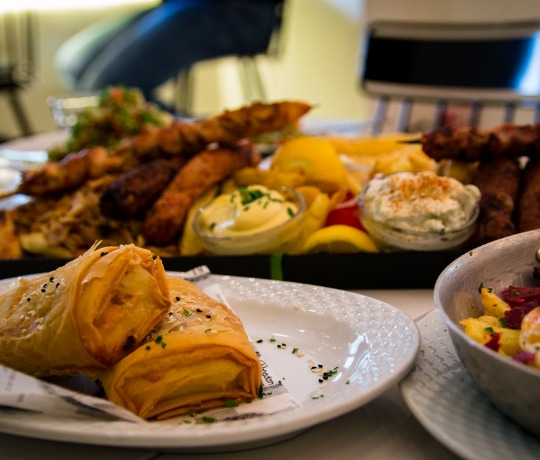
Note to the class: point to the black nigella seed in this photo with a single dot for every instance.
(43, 290)
(209, 316)
(260, 341)
(199, 310)
(320, 380)
(177, 298)
(103, 254)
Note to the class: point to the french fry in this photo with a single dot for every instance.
(269, 178)
(370, 146)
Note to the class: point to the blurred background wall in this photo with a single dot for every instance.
(321, 43)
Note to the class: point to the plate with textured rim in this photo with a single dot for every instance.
(370, 344)
(447, 402)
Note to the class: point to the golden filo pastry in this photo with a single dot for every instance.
(84, 316)
(198, 358)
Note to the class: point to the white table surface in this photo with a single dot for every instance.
(382, 429)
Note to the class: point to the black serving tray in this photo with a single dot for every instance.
(392, 270)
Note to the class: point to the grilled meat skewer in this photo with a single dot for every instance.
(472, 144)
(178, 138)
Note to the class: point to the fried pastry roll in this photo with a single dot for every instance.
(197, 358)
(84, 316)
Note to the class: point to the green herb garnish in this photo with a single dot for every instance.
(206, 419)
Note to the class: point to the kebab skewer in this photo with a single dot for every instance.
(472, 144)
(178, 138)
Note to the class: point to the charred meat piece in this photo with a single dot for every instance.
(472, 144)
(228, 127)
(515, 141)
(463, 144)
(529, 201)
(135, 191)
(70, 173)
(498, 181)
(164, 221)
(178, 138)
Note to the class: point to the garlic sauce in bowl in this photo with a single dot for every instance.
(251, 220)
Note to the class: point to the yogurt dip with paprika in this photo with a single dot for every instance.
(419, 210)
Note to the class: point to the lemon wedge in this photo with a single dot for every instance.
(315, 158)
(339, 239)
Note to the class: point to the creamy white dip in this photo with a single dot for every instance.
(420, 202)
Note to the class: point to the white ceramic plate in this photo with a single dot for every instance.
(372, 343)
(449, 404)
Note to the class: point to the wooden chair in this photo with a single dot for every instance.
(480, 64)
(17, 61)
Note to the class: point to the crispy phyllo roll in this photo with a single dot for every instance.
(199, 357)
(84, 316)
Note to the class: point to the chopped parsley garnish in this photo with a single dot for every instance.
(482, 287)
(294, 350)
(290, 212)
(273, 339)
(206, 419)
(330, 373)
(230, 403)
(187, 313)
(159, 341)
(489, 329)
(249, 196)
(503, 322)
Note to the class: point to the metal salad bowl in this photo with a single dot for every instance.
(512, 387)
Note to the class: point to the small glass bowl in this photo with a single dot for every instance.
(389, 237)
(271, 241)
(65, 110)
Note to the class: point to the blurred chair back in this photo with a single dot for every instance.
(251, 81)
(482, 65)
(17, 60)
